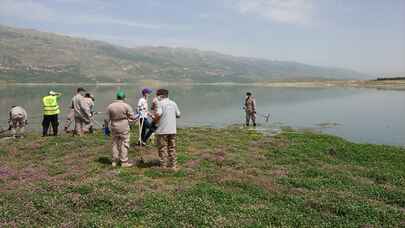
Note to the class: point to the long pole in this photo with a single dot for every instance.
(141, 120)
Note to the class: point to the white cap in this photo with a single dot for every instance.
(52, 93)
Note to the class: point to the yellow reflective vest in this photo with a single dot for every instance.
(50, 105)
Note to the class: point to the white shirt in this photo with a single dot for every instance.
(143, 107)
(168, 112)
(18, 113)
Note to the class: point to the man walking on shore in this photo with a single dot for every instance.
(166, 114)
(120, 114)
(17, 121)
(50, 105)
(250, 109)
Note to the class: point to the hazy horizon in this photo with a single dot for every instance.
(366, 36)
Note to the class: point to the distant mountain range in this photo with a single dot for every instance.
(31, 56)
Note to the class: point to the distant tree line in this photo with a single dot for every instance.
(392, 78)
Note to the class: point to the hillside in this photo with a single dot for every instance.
(32, 56)
(228, 178)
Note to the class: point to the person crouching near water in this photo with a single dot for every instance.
(120, 114)
(250, 109)
(165, 117)
(17, 121)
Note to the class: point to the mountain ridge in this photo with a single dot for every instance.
(28, 55)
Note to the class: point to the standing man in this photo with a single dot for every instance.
(88, 108)
(50, 105)
(166, 114)
(120, 114)
(250, 108)
(17, 121)
(81, 116)
(147, 127)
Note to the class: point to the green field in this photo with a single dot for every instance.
(229, 177)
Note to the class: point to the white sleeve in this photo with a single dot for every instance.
(159, 109)
(141, 104)
(178, 113)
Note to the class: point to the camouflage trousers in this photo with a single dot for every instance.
(167, 150)
(120, 147)
(250, 116)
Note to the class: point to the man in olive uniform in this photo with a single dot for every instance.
(50, 105)
(17, 121)
(120, 114)
(88, 108)
(165, 116)
(81, 116)
(250, 109)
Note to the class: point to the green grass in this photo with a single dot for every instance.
(229, 177)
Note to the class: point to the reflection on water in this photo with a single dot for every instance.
(362, 115)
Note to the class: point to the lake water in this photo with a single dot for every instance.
(361, 115)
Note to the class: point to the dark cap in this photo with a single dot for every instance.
(162, 92)
(248, 94)
(80, 89)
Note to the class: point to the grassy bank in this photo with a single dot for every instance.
(228, 177)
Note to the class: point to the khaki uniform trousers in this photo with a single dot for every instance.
(120, 147)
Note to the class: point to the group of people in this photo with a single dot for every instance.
(159, 120)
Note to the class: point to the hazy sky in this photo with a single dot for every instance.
(365, 35)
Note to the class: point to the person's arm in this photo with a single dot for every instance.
(58, 95)
(131, 114)
(178, 113)
(254, 105)
(72, 104)
(245, 103)
(158, 114)
(140, 105)
(25, 116)
(84, 106)
(108, 120)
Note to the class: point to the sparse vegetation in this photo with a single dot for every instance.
(228, 177)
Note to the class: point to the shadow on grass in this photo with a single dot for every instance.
(104, 160)
(148, 164)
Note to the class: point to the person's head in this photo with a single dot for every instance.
(162, 93)
(120, 95)
(88, 95)
(249, 94)
(146, 92)
(81, 90)
(52, 93)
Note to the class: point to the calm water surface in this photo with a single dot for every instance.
(360, 115)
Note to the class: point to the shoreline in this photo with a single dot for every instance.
(269, 132)
(388, 84)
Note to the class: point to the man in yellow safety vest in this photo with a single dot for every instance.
(51, 109)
